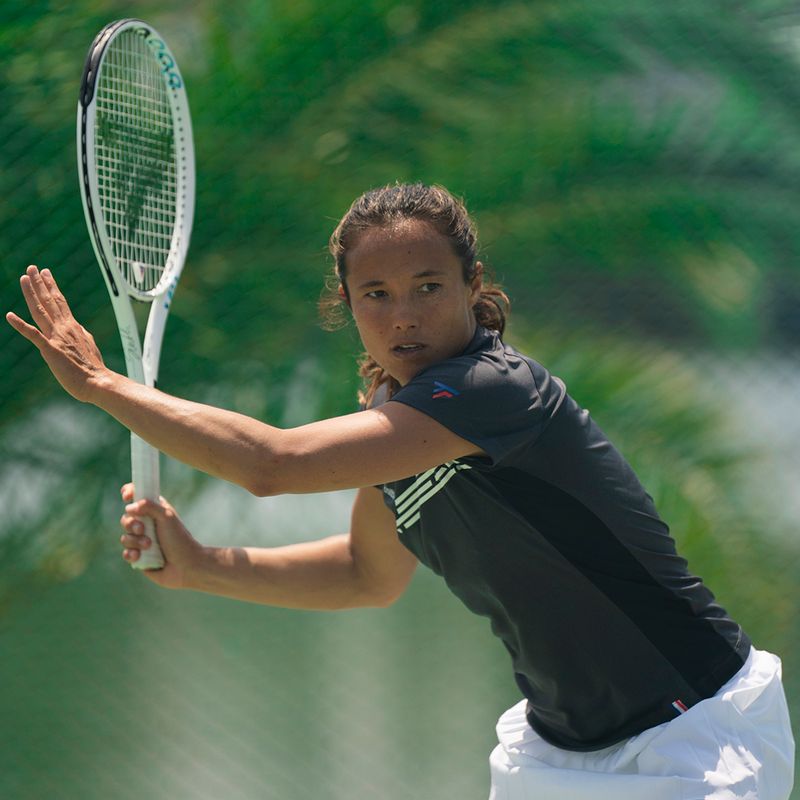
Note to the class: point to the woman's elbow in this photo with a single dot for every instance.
(267, 478)
(383, 595)
(270, 468)
(265, 485)
(379, 600)
(259, 487)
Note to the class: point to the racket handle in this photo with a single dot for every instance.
(144, 471)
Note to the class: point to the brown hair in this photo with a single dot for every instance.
(385, 206)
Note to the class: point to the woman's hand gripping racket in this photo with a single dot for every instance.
(136, 165)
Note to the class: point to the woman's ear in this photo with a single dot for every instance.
(343, 295)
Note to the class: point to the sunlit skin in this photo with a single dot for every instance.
(408, 297)
(413, 309)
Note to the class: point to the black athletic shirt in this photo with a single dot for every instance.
(553, 538)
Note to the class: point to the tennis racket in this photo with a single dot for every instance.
(136, 169)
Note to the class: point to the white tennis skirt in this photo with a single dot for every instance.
(736, 745)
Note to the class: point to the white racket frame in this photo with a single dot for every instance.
(141, 358)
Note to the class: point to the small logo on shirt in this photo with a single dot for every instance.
(443, 390)
(680, 706)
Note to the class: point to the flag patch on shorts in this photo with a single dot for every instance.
(680, 706)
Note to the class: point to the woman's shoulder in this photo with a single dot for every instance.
(489, 394)
(490, 366)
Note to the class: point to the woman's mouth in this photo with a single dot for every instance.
(407, 349)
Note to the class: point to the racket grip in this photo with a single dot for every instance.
(145, 475)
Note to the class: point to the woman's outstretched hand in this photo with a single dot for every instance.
(182, 552)
(67, 347)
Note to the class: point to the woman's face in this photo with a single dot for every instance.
(408, 297)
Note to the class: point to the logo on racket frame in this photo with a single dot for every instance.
(163, 55)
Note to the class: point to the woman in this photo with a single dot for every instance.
(472, 458)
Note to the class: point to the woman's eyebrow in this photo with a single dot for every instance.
(370, 284)
(428, 273)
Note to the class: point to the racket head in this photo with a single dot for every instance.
(136, 159)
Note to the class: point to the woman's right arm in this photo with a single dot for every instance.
(356, 450)
(365, 567)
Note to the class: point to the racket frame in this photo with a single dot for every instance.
(141, 357)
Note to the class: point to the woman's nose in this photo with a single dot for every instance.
(405, 316)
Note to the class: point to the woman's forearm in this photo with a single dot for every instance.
(319, 575)
(351, 451)
(366, 567)
(221, 443)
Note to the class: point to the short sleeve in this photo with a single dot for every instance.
(489, 397)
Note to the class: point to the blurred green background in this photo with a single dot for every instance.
(634, 170)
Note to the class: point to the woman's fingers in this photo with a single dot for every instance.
(145, 507)
(43, 285)
(181, 550)
(30, 332)
(33, 290)
(134, 537)
(69, 350)
(58, 303)
(133, 540)
(45, 300)
(132, 524)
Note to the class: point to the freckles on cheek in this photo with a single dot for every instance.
(367, 325)
(366, 336)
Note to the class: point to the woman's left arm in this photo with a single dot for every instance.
(362, 449)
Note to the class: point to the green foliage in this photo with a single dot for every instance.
(632, 166)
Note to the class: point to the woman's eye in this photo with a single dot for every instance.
(427, 288)
(376, 293)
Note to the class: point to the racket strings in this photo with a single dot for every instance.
(135, 153)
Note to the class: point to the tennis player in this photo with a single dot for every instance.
(472, 458)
